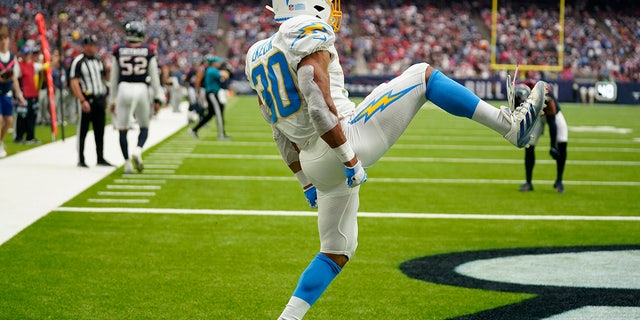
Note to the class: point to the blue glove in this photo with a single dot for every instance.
(312, 196)
(355, 175)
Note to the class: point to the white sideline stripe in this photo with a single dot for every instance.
(141, 181)
(118, 200)
(133, 187)
(455, 216)
(416, 159)
(129, 194)
(393, 180)
(51, 177)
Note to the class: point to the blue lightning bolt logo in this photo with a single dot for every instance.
(380, 104)
(316, 28)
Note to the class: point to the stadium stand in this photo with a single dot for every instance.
(378, 37)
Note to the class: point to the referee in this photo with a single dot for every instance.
(88, 86)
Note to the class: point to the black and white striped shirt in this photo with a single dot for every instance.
(91, 72)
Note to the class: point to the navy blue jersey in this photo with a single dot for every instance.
(133, 62)
(6, 73)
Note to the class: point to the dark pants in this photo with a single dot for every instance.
(97, 117)
(26, 120)
(213, 106)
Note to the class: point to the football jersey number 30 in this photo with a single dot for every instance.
(276, 87)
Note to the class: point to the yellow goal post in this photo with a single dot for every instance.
(521, 67)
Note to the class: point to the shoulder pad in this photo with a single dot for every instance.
(305, 35)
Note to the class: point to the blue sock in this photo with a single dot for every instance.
(124, 145)
(451, 96)
(142, 137)
(316, 278)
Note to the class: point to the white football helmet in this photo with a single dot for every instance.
(327, 10)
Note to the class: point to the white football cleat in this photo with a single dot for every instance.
(136, 157)
(524, 117)
(128, 167)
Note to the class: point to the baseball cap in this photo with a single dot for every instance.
(212, 59)
(91, 39)
(27, 50)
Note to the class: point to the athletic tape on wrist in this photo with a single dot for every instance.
(344, 152)
(302, 178)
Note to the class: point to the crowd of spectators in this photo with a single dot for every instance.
(392, 39)
(377, 37)
(525, 34)
(182, 32)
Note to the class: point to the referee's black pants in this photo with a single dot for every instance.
(97, 118)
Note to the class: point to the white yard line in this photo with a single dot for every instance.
(141, 181)
(385, 180)
(107, 200)
(408, 146)
(133, 187)
(406, 159)
(161, 166)
(126, 194)
(159, 171)
(391, 215)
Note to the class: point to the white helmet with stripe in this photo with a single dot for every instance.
(326, 10)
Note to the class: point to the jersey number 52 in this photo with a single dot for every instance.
(133, 65)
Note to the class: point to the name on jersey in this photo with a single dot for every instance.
(262, 50)
(134, 51)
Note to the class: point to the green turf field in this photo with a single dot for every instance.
(221, 230)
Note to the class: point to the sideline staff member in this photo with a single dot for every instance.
(87, 83)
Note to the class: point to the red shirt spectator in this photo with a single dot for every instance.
(27, 74)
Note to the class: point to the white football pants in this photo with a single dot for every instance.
(374, 127)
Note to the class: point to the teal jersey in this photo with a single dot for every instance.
(212, 80)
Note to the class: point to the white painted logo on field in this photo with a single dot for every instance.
(604, 269)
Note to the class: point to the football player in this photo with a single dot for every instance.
(558, 134)
(132, 64)
(328, 141)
